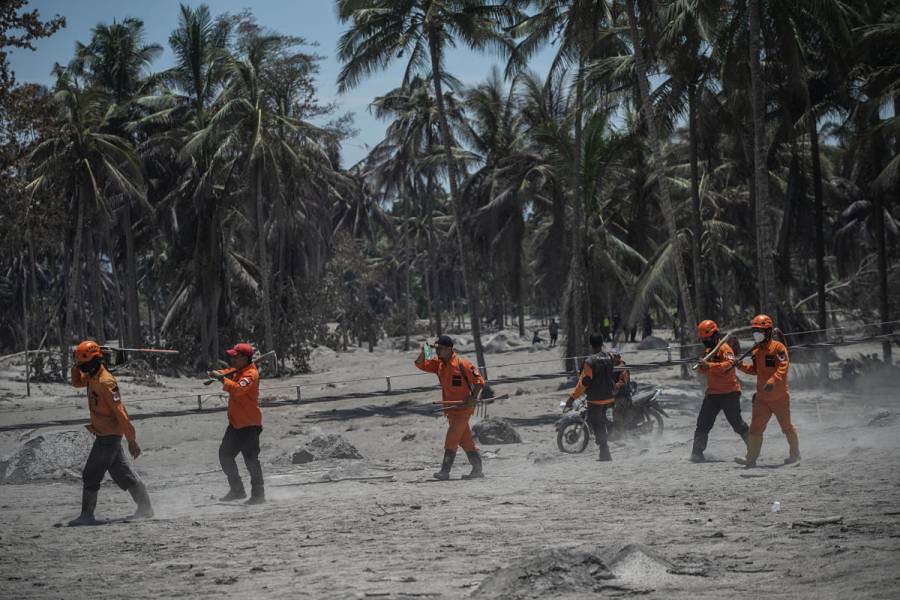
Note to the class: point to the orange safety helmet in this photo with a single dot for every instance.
(707, 329)
(86, 351)
(762, 322)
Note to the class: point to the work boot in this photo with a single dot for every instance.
(605, 456)
(475, 461)
(446, 465)
(140, 496)
(88, 504)
(233, 494)
(794, 448)
(257, 495)
(699, 446)
(754, 446)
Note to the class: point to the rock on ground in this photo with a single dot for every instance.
(569, 573)
(496, 431)
(651, 342)
(332, 446)
(52, 455)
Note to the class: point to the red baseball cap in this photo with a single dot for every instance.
(245, 349)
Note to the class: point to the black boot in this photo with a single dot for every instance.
(475, 461)
(234, 494)
(605, 456)
(444, 473)
(699, 446)
(257, 495)
(88, 504)
(140, 496)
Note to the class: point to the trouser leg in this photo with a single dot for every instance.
(120, 470)
(782, 411)
(597, 419)
(228, 449)
(250, 452)
(458, 432)
(731, 406)
(709, 410)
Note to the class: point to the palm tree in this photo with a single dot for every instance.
(383, 30)
(85, 165)
(656, 147)
(116, 60)
(175, 116)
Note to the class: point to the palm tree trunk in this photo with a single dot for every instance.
(813, 130)
(697, 220)
(74, 281)
(655, 145)
(883, 292)
(132, 311)
(760, 167)
(471, 283)
(407, 291)
(264, 265)
(575, 342)
(96, 286)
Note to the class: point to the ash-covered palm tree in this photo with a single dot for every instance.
(84, 165)
(419, 32)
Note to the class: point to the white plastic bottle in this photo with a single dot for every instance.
(776, 506)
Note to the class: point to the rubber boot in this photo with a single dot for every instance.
(794, 448)
(699, 446)
(446, 465)
(140, 496)
(234, 494)
(475, 461)
(88, 504)
(754, 446)
(257, 495)
(605, 456)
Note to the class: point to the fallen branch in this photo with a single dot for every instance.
(817, 522)
(377, 477)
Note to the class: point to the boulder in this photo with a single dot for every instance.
(301, 456)
(54, 455)
(499, 342)
(332, 446)
(651, 342)
(496, 431)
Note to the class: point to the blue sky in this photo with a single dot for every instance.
(314, 20)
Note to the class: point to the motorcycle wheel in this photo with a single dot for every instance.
(573, 438)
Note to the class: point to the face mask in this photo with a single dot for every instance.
(90, 366)
(759, 337)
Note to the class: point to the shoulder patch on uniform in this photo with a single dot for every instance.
(116, 396)
(782, 356)
(244, 382)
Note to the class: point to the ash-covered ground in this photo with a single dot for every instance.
(542, 524)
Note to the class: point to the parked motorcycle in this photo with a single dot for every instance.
(632, 415)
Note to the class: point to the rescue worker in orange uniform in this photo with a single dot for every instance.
(600, 384)
(244, 424)
(723, 390)
(109, 422)
(770, 363)
(461, 385)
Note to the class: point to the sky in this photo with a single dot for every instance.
(314, 20)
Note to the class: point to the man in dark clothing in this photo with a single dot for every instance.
(553, 328)
(598, 382)
(648, 325)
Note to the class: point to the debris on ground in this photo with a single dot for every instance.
(54, 455)
(496, 431)
(332, 446)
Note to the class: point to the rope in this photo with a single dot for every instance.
(506, 380)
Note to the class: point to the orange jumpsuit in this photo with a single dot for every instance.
(721, 378)
(458, 377)
(108, 414)
(243, 397)
(770, 365)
